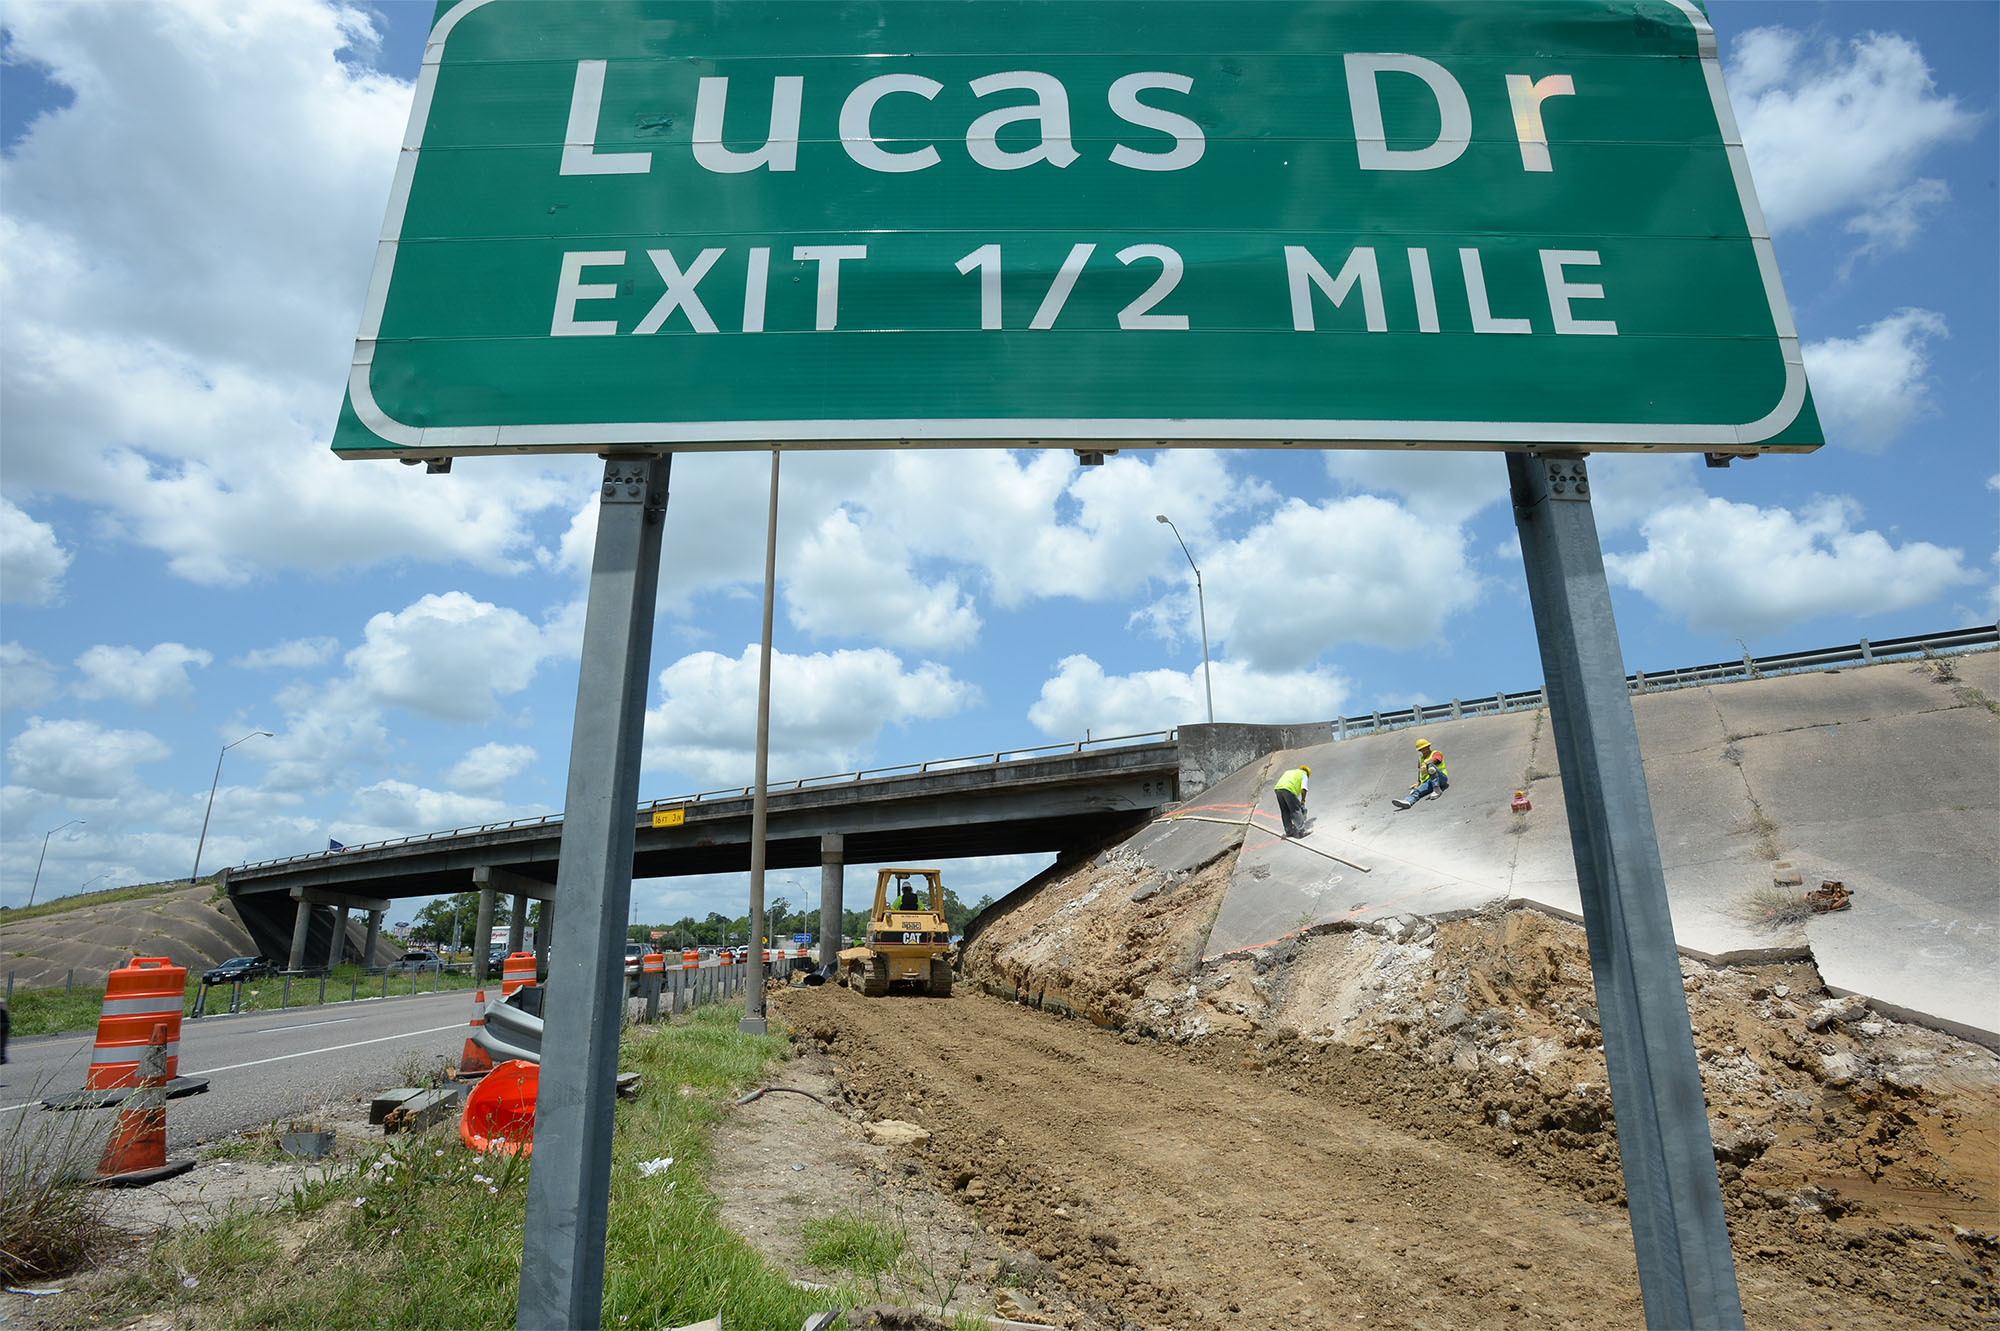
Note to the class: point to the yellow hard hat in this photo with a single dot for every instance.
(1307, 770)
(1423, 744)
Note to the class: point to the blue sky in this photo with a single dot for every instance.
(189, 197)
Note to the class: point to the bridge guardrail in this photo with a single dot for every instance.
(1862, 652)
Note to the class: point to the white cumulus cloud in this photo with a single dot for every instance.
(448, 656)
(398, 808)
(827, 710)
(1737, 569)
(184, 388)
(856, 581)
(79, 759)
(27, 679)
(32, 561)
(490, 766)
(293, 654)
(1361, 569)
(140, 678)
(1081, 698)
(1869, 388)
(1836, 128)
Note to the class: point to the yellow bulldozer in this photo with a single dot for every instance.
(909, 940)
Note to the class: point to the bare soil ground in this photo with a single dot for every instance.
(1407, 1128)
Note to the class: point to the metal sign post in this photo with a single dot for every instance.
(569, 1189)
(754, 1022)
(1686, 1275)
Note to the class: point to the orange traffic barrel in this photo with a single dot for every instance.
(500, 1113)
(517, 972)
(653, 963)
(690, 958)
(724, 959)
(137, 997)
(136, 1153)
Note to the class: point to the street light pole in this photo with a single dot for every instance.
(1208, 685)
(195, 875)
(74, 822)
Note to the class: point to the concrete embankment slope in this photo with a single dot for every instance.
(1886, 778)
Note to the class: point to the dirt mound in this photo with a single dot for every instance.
(1857, 1154)
(190, 925)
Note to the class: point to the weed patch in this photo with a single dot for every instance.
(1774, 908)
(51, 1218)
(423, 1233)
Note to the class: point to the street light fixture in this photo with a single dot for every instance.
(1201, 604)
(196, 874)
(74, 822)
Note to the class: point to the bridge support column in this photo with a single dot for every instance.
(482, 935)
(832, 878)
(545, 933)
(338, 947)
(374, 937)
(517, 927)
(301, 925)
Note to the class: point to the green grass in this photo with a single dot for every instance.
(13, 915)
(421, 1233)
(856, 1243)
(50, 1012)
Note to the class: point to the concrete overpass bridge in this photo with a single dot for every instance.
(1017, 801)
(1057, 797)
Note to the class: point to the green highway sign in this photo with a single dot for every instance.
(709, 224)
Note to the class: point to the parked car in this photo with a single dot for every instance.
(416, 960)
(238, 969)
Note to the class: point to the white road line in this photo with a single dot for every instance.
(279, 1058)
(330, 1049)
(306, 1025)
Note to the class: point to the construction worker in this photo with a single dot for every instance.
(1431, 776)
(1291, 791)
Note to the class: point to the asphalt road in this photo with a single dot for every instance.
(261, 1066)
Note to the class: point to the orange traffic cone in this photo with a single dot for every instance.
(137, 1152)
(475, 1061)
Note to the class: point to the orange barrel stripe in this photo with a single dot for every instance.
(653, 963)
(690, 958)
(517, 972)
(137, 997)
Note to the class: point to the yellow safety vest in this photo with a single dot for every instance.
(1294, 781)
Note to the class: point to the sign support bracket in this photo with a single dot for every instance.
(1687, 1277)
(569, 1188)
